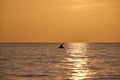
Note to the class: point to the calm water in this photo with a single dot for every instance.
(45, 61)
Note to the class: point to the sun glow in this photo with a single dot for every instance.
(76, 47)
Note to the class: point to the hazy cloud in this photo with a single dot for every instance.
(78, 4)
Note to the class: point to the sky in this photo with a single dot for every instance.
(59, 20)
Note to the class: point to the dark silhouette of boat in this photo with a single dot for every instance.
(61, 46)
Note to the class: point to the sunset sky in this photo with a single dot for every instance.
(59, 20)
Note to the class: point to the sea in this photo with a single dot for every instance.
(45, 61)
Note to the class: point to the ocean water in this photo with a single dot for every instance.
(45, 61)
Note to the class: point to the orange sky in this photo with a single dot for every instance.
(59, 20)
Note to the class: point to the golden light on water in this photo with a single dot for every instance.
(78, 72)
(76, 47)
(76, 53)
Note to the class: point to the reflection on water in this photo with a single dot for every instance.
(78, 61)
(78, 71)
(76, 51)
